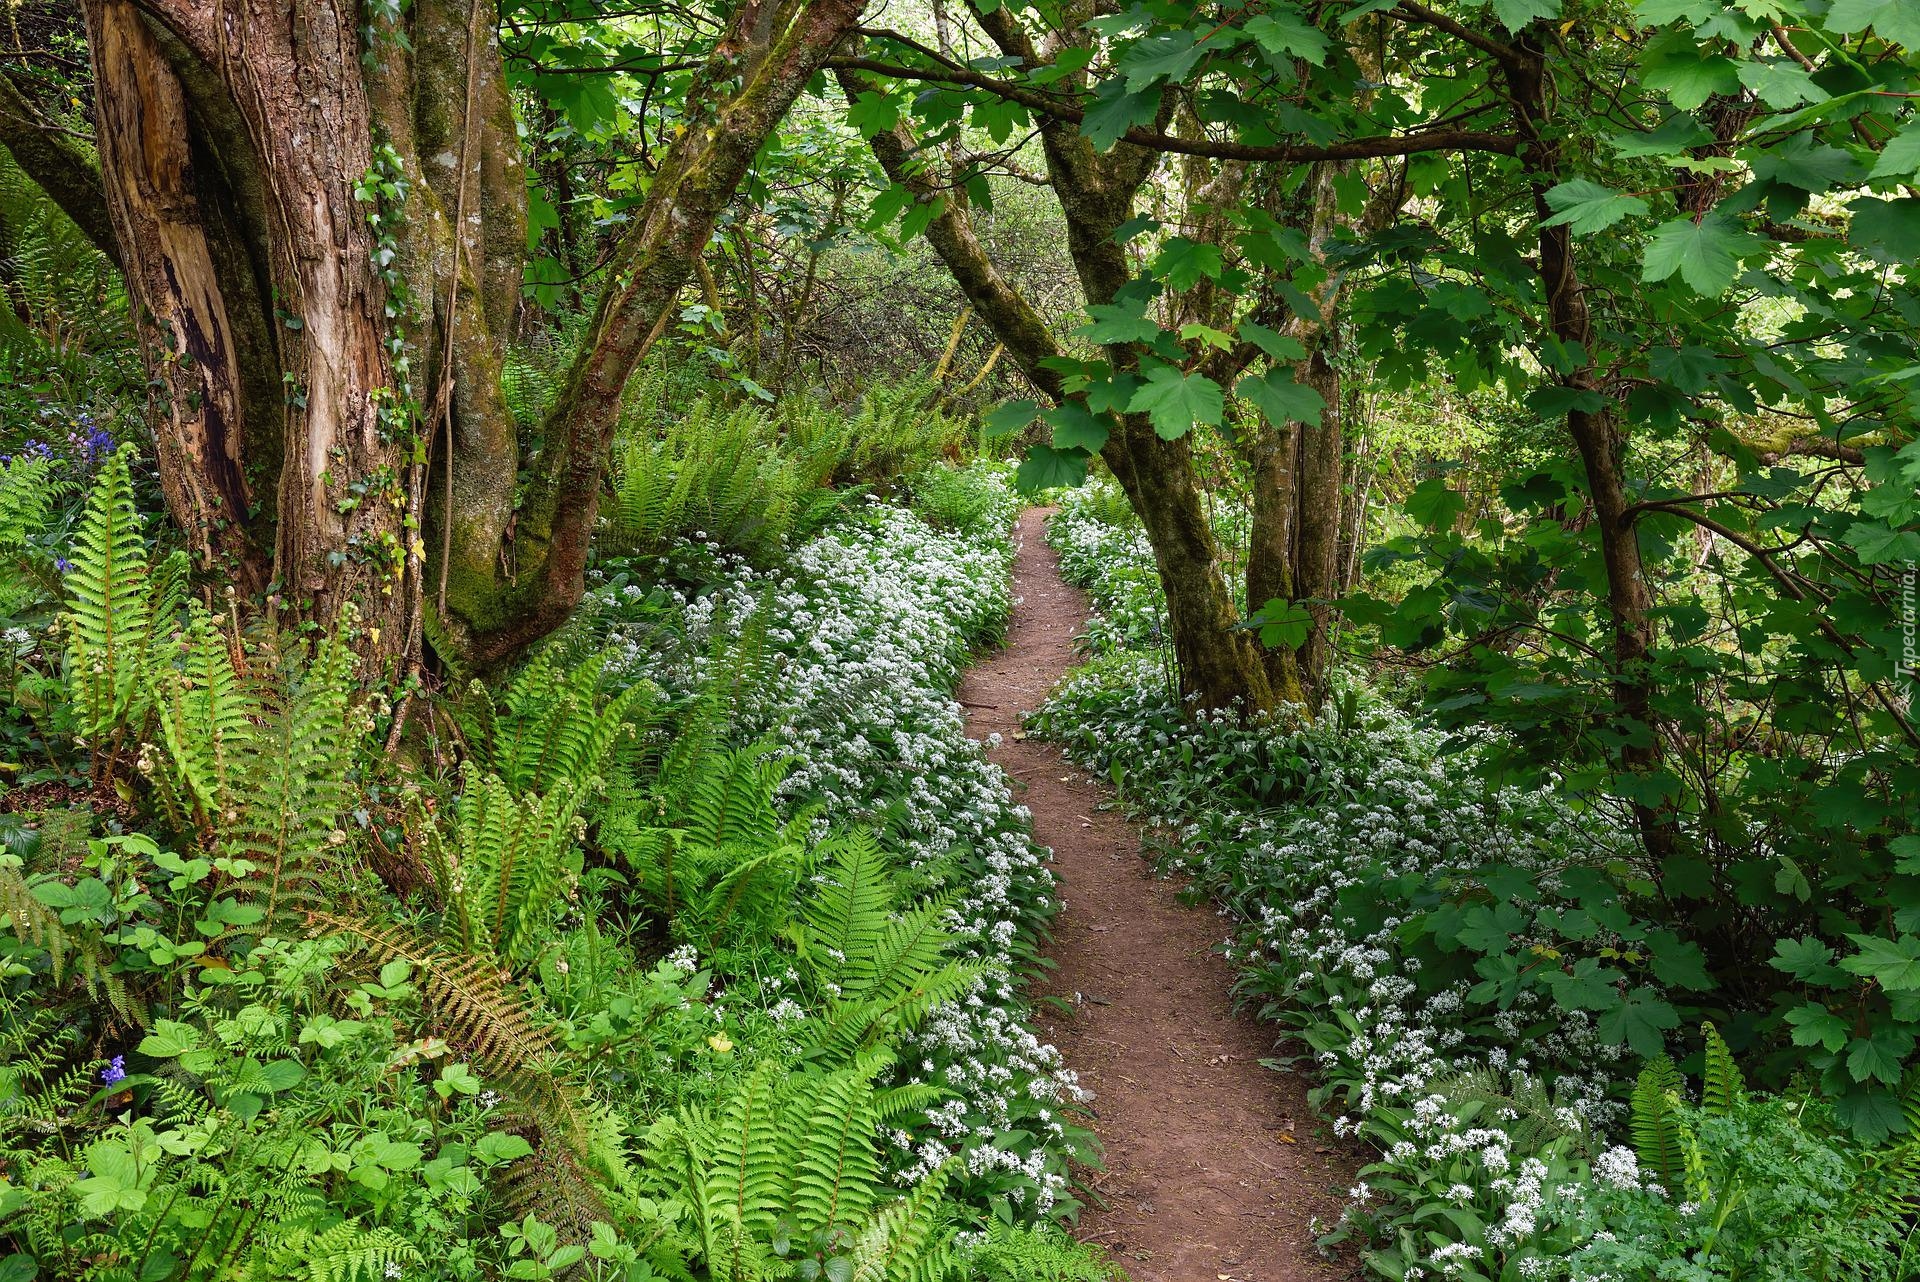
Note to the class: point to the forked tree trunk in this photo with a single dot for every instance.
(327, 407)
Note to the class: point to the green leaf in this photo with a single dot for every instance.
(1706, 253)
(1806, 959)
(1887, 229)
(1901, 156)
(1870, 1113)
(1185, 263)
(1433, 504)
(1281, 399)
(1800, 162)
(1283, 624)
(1008, 417)
(1075, 427)
(1690, 81)
(1166, 55)
(1515, 14)
(1881, 544)
(1815, 1025)
(1641, 1020)
(1045, 467)
(1588, 207)
(1119, 323)
(1277, 346)
(873, 113)
(1114, 111)
(1780, 84)
(1284, 32)
(1876, 1058)
(1893, 963)
(1173, 402)
(1895, 21)
(168, 1039)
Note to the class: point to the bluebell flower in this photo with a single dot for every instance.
(61, 564)
(115, 1071)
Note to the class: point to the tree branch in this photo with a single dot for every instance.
(58, 164)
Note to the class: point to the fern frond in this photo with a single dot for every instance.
(1655, 1125)
(349, 1252)
(108, 610)
(1721, 1085)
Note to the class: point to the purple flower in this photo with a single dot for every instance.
(61, 564)
(115, 1071)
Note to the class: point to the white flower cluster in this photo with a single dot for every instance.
(871, 624)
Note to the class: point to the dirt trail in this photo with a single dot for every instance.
(1214, 1164)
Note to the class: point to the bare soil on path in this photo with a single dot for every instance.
(1214, 1164)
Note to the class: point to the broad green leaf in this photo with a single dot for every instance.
(1895, 21)
(1814, 1025)
(1167, 55)
(1282, 400)
(1881, 544)
(1689, 81)
(1706, 254)
(1185, 263)
(1173, 402)
(1780, 84)
(1277, 346)
(1285, 32)
(1587, 207)
(1901, 156)
(1118, 323)
(1515, 14)
(1045, 467)
(873, 113)
(1892, 963)
(1283, 624)
(1075, 427)
(1887, 229)
(1114, 111)
(1641, 1020)
(1433, 504)
(1008, 418)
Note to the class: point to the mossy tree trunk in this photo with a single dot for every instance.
(326, 362)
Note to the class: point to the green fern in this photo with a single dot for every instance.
(108, 611)
(1659, 1138)
(1721, 1086)
(347, 1252)
(881, 972)
(206, 719)
(795, 1154)
(554, 722)
(502, 863)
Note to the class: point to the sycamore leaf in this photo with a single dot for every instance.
(1283, 624)
(873, 113)
(1895, 21)
(1173, 402)
(1045, 467)
(1887, 229)
(1281, 399)
(1781, 85)
(1641, 1020)
(1901, 156)
(1117, 323)
(1515, 14)
(1008, 417)
(1588, 207)
(1114, 111)
(1894, 963)
(1433, 504)
(1284, 32)
(1277, 346)
(1075, 427)
(1705, 253)
(1881, 544)
(1689, 81)
(1167, 55)
(1815, 1025)
(1185, 263)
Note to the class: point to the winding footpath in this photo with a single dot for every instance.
(1214, 1164)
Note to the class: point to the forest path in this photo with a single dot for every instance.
(1213, 1163)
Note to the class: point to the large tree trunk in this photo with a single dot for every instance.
(327, 405)
(231, 136)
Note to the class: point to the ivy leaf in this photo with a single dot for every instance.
(1641, 1020)
(1114, 111)
(1515, 14)
(1588, 207)
(1173, 402)
(1007, 418)
(1283, 32)
(1895, 21)
(1045, 467)
(1893, 963)
(1705, 253)
(1281, 400)
(1118, 323)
